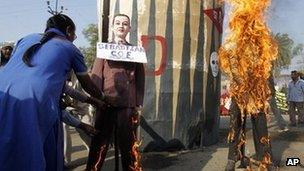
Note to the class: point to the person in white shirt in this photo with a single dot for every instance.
(295, 98)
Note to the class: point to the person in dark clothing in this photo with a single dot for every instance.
(123, 84)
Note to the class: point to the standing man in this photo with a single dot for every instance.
(123, 84)
(295, 98)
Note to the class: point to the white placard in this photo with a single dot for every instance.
(118, 52)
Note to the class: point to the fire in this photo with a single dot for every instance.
(231, 135)
(136, 155)
(247, 54)
(102, 148)
(136, 166)
(265, 140)
(266, 161)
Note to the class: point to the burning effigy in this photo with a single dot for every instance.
(246, 57)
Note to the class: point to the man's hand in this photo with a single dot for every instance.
(110, 100)
(88, 129)
(138, 108)
(88, 85)
(96, 102)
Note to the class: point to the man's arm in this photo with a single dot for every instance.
(97, 73)
(80, 96)
(75, 94)
(88, 85)
(69, 119)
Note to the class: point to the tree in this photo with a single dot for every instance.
(91, 34)
(297, 50)
(285, 53)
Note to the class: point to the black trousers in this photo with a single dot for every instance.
(121, 122)
(260, 132)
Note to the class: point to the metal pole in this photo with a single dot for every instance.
(55, 11)
(105, 20)
(56, 7)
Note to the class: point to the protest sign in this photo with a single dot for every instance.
(119, 52)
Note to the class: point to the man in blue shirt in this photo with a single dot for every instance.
(295, 99)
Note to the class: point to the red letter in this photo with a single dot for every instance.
(163, 63)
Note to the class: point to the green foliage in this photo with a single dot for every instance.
(91, 34)
(285, 53)
(297, 50)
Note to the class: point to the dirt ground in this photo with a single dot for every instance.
(212, 158)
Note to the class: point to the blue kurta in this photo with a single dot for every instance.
(30, 126)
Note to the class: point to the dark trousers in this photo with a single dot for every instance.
(119, 120)
(259, 129)
(292, 112)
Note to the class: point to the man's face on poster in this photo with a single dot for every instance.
(121, 26)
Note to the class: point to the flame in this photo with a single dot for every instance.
(247, 54)
(136, 166)
(136, 156)
(135, 119)
(265, 140)
(266, 161)
(231, 134)
(102, 148)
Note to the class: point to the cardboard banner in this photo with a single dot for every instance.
(118, 52)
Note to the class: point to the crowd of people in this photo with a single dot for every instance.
(34, 93)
